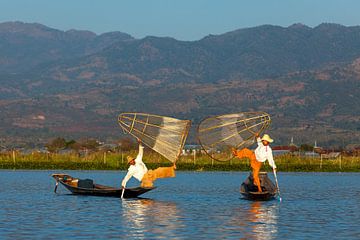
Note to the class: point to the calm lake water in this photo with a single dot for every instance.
(191, 206)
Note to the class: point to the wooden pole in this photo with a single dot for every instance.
(14, 157)
(277, 184)
(122, 193)
(321, 160)
(104, 157)
(340, 162)
(194, 156)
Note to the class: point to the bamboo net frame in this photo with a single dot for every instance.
(164, 135)
(219, 134)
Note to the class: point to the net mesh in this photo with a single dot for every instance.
(164, 135)
(218, 135)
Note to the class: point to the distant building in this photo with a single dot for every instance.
(108, 147)
(317, 149)
(292, 144)
(311, 154)
(331, 155)
(190, 148)
(65, 151)
(280, 150)
(3, 149)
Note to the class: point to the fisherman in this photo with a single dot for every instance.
(262, 153)
(138, 170)
(137, 167)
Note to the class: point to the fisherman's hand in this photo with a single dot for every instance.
(138, 140)
(257, 135)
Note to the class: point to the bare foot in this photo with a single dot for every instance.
(174, 166)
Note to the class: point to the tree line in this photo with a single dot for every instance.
(90, 144)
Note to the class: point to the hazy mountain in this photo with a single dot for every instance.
(260, 52)
(74, 83)
(24, 46)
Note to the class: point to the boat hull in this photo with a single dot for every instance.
(250, 191)
(71, 184)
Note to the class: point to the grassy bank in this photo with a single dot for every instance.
(117, 161)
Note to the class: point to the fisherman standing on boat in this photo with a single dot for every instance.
(262, 153)
(139, 170)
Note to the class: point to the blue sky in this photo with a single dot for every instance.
(181, 19)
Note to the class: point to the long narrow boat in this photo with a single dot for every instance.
(87, 187)
(250, 191)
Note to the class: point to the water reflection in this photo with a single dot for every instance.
(147, 217)
(255, 220)
(264, 220)
(30, 209)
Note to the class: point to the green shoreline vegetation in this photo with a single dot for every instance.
(201, 162)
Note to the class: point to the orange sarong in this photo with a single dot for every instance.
(255, 165)
(161, 172)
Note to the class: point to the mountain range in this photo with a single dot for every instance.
(74, 83)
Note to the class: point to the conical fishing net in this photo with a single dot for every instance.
(218, 135)
(164, 135)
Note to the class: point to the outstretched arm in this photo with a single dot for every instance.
(258, 139)
(270, 158)
(139, 157)
(126, 178)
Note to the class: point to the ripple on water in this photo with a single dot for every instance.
(192, 205)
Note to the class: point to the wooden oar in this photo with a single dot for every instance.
(56, 186)
(277, 185)
(122, 193)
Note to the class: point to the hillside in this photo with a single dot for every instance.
(74, 83)
(25, 46)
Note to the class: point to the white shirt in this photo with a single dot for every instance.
(263, 153)
(137, 170)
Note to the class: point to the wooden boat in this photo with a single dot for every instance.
(87, 187)
(250, 191)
